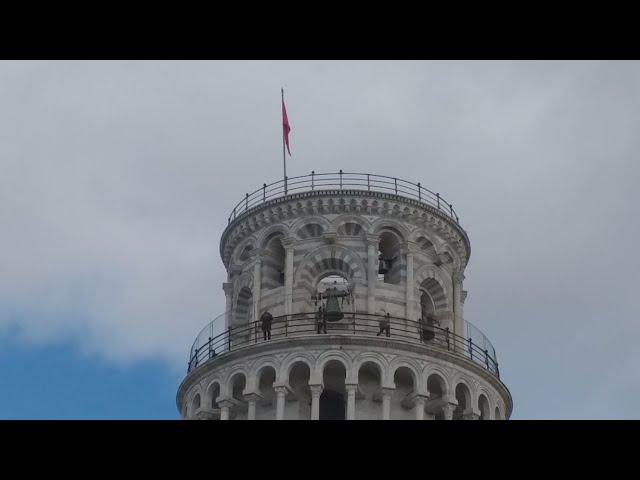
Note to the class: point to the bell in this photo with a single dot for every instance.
(382, 267)
(333, 309)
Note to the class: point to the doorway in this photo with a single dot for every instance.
(332, 405)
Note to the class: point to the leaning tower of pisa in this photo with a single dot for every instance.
(384, 260)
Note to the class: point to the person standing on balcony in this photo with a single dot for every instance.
(430, 332)
(266, 320)
(321, 320)
(385, 325)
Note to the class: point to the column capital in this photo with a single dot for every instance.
(372, 239)
(228, 288)
(351, 387)
(448, 411)
(470, 415)
(227, 403)
(458, 277)
(252, 396)
(281, 388)
(288, 242)
(316, 389)
(409, 247)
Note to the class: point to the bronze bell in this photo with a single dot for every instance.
(383, 266)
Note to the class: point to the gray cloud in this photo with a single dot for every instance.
(117, 179)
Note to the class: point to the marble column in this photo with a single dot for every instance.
(458, 320)
(252, 398)
(386, 403)
(316, 391)
(351, 401)
(287, 243)
(224, 405)
(257, 291)
(419, 407)
(410, 312)
(228, 293)
(281, 392)
(372, 271)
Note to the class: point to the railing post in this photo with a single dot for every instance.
(196, 358)
(451, 210)
(229, 339)
(285, 185)
(486, 358)
(312, 176)
(470, 349)
(419, 192)
(368, 183)
(395, 182)
(264, 192)
(447, 336)
(438, 197)
(340, 179)
(246, 202)
(209, 348)
(286, 326)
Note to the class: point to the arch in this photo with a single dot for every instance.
(310, 230)
(243, 308)
(326, 357)
(391, 225)
(483, 407)
(341, 220)
(248, 243)
(463, 397)
(311, 226)
(405, 380)
(413, 367)
(195, 403)
(375, 358)
(329, 259)
(370, 377)
(437, 384)
(265, 378)
(237, 384)
(257, 368)
(497, 415)
(213, 391)
(391, 255)
(271, 231)
(273, 262)
(288, 362)
(430, 280)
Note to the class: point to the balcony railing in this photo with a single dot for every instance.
(475, 347)
(342, 181)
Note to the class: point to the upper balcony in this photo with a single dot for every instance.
(474, 345)
(341, 181)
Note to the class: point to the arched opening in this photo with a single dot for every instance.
(483, 406)
(368, 396)
(195, 404)
(350, 229)
(299, 382)
(310, 230)
(238, 384)
(427, 306)
(389, 258)
(332, 399)
(212, 394)
(436, 389)
(273, 263)
(246, 253)
(264, 407)
(463, 397)
(405, 382)
(244, 307)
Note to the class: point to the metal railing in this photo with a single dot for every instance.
(354, 324)
(342, 181)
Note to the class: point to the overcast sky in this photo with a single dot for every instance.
(116, 180)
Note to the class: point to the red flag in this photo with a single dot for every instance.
(285, 124)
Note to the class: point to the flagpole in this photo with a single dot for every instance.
(284, 158)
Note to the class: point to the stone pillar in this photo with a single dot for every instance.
(448, 411)
(386, 403)
(420, 399)
(287, 243)
(257, 284)
(458, 320)
(316, 391)
(351, 401)
(372, 271)
(252, 398)
(224, 405)
(470, 415)
(410, 313)
(281, 391)
(228, 293)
